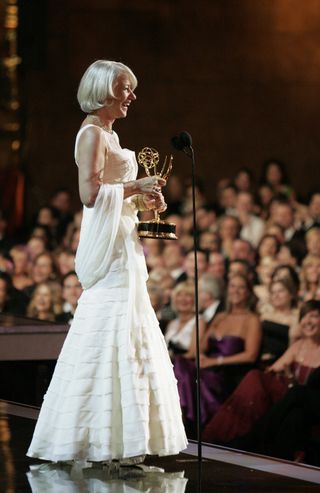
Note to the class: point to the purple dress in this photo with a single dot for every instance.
(212, 380)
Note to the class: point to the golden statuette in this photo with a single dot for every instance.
(149, 159)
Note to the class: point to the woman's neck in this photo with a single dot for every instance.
(185, 317)
(284, 310)
(239, 309)
(101, 121)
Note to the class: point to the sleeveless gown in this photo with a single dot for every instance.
(113, 394)
(255, 395)
(212, 380)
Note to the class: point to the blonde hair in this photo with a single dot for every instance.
(97, 84)
(309, 260)
(186, 286)
(55, 307)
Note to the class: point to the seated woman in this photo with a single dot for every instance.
(45, 303)
(279, 320)
(232, 339)
(259, 390)
(310, 279)
(179, 331)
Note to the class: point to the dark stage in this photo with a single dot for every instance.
(222, 470)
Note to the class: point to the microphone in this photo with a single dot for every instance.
(182, 142)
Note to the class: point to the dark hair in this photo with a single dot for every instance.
(252, 299)
(293, 274)
(289, 285)
(278, 244)
(245, 170)
(282, 168)
(309, 306)
(297, 249)
(68, 274)
(7, 279)
(201, 250)
(241, 261)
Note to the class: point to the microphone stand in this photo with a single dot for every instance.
(188, 150)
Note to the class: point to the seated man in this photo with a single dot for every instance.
(71, 291)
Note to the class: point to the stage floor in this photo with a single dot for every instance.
(222, 470)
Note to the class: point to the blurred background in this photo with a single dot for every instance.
(241, 76)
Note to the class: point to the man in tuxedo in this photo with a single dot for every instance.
(210, 297)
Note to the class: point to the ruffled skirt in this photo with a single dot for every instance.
(113, 394)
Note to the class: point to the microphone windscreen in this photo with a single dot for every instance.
(176, 142)
(185, 139)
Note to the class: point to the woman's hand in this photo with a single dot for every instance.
(150, 184)
(155, 201)
(206, 362)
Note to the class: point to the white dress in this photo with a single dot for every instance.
(113, 394)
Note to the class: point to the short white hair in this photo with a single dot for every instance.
(98, 81)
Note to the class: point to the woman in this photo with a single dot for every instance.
(45, 303)
(279, 320)
(232, 339)
(274, 174)
(310, 279)
(258, 390)
(180, 330)
(113, 395)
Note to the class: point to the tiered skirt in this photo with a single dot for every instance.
(110, 397)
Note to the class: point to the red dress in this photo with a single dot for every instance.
(255, 394)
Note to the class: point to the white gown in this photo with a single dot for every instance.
(113, 394)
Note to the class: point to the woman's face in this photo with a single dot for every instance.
(313, 244)
(184, 302)
(42, 269)
(274, 175)
(310, 324)
(265, 194)
(43, 299)
(243, 181)
(45, 217)
(268, 247)
(124, 96)
(313, 272)
(237, 291)
(280, 296)
(284, 256)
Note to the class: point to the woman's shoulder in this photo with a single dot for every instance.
(88, 130)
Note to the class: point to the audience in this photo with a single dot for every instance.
(258, 390)
(232, 338)
(246, 233)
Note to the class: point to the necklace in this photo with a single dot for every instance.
(107, 129)
(104, 127)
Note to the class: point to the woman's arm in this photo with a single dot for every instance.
(211, 331)
(193, 344)
(91, 150)
(251, 347)
(286, 359)
(92, 154)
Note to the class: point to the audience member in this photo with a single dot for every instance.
(259, 390)
(233, 338)
(252, 227)
(179, 331)
(45, 303)
(279, 320)
(71, 292)
(211, 300)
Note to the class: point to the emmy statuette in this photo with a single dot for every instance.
(156, 228)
